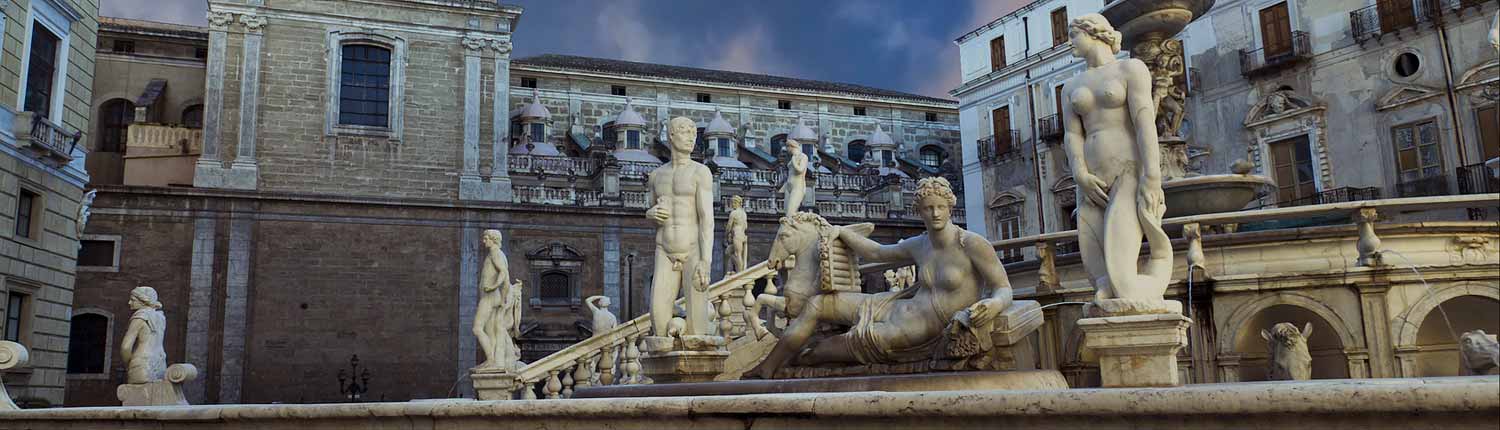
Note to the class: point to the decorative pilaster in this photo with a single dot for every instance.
(243, 174)
(1372, 306)
(206, 172)
(472, 184)
(473, 47)
(500, 175)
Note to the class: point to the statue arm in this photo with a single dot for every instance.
(705, 204)
(127, 345)
(1143, 115)
(874, 251)
(799, 163)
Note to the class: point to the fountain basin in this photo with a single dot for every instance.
(1208, 194)
(1138, 20)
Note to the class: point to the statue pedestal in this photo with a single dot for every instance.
(167, 392)
(495, 384)
(692, 358)
(1136, 350)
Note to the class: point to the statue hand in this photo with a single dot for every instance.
(985, 311)
(701, 278)
(1093, 188)
(658, 214)
(1151, 200)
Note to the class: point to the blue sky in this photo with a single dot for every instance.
(898, 45)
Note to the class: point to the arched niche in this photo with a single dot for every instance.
(1244, 323)
(1436, 350)
(1325, 346)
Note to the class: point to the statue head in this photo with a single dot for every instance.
(1478, 350)
(736, 202)
(935, 201)
(144, 297)
(1286, 335)
(682, 134)
(491, 238)
(602, 301)
(1092, 31)
(798, 233)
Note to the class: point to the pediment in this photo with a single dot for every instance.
(1403, 95)
(1283, 103)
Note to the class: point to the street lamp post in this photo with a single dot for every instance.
(358, 380)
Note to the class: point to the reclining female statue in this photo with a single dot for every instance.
(954, 267)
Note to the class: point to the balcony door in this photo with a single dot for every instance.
(1292, 168)
(1396, 14)
(1489, 132)
(1276, 31)
(997, 53)
(1000, 125)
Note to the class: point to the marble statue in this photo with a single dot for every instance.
(497, 322)
(737, 242)
(603, 319)
(85, 207)
(148, 379)
(683, 190)
(1479, 353)
(145, 360)
(822, 286)
(12, 355)
(900, 278)
(1289, 360)
(796, 177)
(1111, 142)
(891, 281)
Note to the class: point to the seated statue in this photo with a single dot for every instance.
(944, 312)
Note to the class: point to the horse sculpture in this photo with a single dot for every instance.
(1290, 360)
(1479, 353)
(815, 261)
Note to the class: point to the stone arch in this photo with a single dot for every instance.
(1006, 198)
(1348, 333)
(1405, 326)
(857, 150)
(113, 118)
(1329, 352)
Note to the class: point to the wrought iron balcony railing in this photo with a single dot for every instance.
(1002, 145)
(1271, 59)
(1336, 195)
(1435, 185)
(1050, 128)
(1479, 179)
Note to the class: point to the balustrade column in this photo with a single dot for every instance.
(1046, 254)
(554, 386)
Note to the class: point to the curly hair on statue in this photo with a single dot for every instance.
(936, 186)
(1097, 26)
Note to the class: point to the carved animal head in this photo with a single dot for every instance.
(1479, 351)
(1288, 347)
(798, 233)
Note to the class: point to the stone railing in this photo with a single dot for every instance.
(635, 199)
(551, 165)
(45, 139)
(159, 139)
(758, 205)
(846, 182)
(556, 196)
(597, 360)
(748, 177)
(636, 170)
(853, 209)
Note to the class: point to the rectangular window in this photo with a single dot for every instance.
(1060, 26)
(1275, 30)
(528, 82)
(538, 132)
(705, 98)
(96, 253)
(1489, 131)
(632, 139)
(784, 104)
(725, 149)
(15, 310)
(200, 52)
(997, 53)
(364, 85)
(1292, 168)
(931, 117)
(1010, 228)
(41, 71)
(1417, 153)
(618, 90)
(859, 110)
(887, 158)
(26, 205)
(1396, 14)
(125, 46)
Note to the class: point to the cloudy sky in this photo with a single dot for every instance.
(893, 44)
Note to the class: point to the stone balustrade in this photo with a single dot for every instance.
(160, 139)
(636, 170)
(538, 194)
(551, 165)
(45, 139)
(847, 182)
(749, 177)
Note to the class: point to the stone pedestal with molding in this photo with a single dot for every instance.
(166, 392)
(1136, 349)
(692, 358)
(496, 384)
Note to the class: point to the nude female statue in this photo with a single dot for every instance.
(145, 360)
(796, 177)
(1110, 138)
(955, 267)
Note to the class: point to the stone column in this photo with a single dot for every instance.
(236, 307)
(500, 175)
(243, 174)
(200, 303)
(1377, 330)
(473, 48)
(206, 172)
(470, 255)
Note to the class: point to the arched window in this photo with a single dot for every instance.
(556, 287)
(778, 143)
(88, 343)
(192, 116)
(114, 120)
(365, 79)
(857, 151)
(932, 156)
(537, 131)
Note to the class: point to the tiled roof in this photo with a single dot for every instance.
(123, 25)
(631, 68)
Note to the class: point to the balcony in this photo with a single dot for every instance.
(1267, 60)
(1391, 17)
(1435, 185)
(1050, 128)
(44, 139)
(161, 155)
(1001, 146)
(542, 166)
(1336, 195)
(1479, 179)
(748, 177)
(846, 182)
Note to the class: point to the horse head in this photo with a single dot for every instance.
(798, 234)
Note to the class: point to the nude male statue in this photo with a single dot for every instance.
(796, 177)
(737, 241)
(683, 192)
(498, 320)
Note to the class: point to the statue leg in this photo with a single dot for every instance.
(824, 307)
(664, 284)
(1090, 240)
(481, 324)
(1122, 244)
(698, 310)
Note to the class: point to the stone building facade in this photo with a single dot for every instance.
(1334, 101)
(332, 209)
(46, 77)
